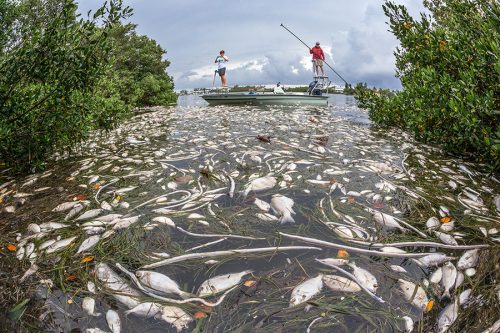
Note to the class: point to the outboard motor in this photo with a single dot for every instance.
(314, 89)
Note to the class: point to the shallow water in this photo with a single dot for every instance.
(194, 147)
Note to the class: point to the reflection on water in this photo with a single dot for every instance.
(182, 162)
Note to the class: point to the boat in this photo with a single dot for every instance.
(317, 95)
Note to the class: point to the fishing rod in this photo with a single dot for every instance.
(310, 48)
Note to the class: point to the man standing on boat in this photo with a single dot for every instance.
(221, 67)
(318, 58)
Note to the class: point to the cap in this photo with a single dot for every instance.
(317, 43)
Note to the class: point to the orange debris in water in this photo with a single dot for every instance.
(81, 197)
(97, 186)
(249, 283)
(351, 200)
(342, 254)
(200, 315)
(87, 259)
(445, 219)
(11, 247)
(71, 278)
(429, 305)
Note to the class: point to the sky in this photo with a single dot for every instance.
(353, 34)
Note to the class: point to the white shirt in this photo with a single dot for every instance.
(221, 61)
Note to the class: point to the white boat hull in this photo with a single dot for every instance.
(261, 99)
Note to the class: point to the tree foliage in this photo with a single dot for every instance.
(62, 76)
(449, 69)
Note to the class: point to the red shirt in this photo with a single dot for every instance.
(317, 53)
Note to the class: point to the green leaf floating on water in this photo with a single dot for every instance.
(18, 311)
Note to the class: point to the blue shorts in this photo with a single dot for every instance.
(221, 71)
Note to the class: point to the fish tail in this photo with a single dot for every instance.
(287, 218)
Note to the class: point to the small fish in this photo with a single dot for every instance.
(470, 272)
(126, 222)
(469, 259)
(391, 249)
(175, 317)
(436, 276)
(49, 226)
(460, 279)
(113, 320)
(88, 243)
(340, 283)
(260, 184)
(60, 245)
(74, 211)
(445, 238)
(464, 296)
(32, 270)
(387, 221)
(447, 316)
(124, 293)
(417, 297)
(262, 205)
(164, 220)
(408, 324)
(146, 309)
(365, 277)
(306, 290)
(283, 206)
(449, 278)
(160, 282)
(65, 206)
(333, 261)
(399, 269)
(266, 217)
(88, 305)
(109, 217)
(435, 259)
(220, 283)
(90, 214)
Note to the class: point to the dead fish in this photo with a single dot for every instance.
(464, 296)
(176, 317)
(391, 249)
(32, 270)
(94, 330)
(33, 228)
(333, 261)
(106, 206)
(408, 324)
(340, 283)
(445, 238)
(460, 279)
(46, 244)
(164, 220)
(91, 287)
(65, 206)
(160, 282)
(125, 222)
(74, 211)
(109, 218)
(90, 214)
(88, 305)
(399, 269)
(266, 217)
(306, 290)
(88, 243)
(146, 309)
(262, 205)
(365, 277)
(113, 320)
(387, 221)
(49, 226)
(447, 316)
(470, 272)
(221, 283)
(469, 259)
(434, 259)
(436, 276)
(260, 184)
(124, 293)
(449, 278)
(60, 245)
(418, 298)
(283, 206)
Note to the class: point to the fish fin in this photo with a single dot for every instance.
(287, 218)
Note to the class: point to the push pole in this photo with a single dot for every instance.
(310, 48)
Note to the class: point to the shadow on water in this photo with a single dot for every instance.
(328, 160)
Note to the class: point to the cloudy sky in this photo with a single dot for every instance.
(352, 33)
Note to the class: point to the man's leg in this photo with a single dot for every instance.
(224, 80)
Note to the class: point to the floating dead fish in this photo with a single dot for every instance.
(59, 245)
(32, 270)
(333, 261)
(408, 324)
(74, 211)
(447, 316)
(65, 206)
(387, 221)
(306, 290)
(260, 184)
(90, 214)
(414, 293)
(123, 292)
(340, 283)
(436, 276)
(146, 309)
(49, 226)
(88, 305)
(176, 317)
(469, 259)
(365, 277)
(283, 206)
(445, 238)
(262, 205)
(88, 243)
(160, 282)
(164, 220)
(464, 296)
(113, 320)
(434, 260)
(449, 279)
(126, 222)
(220, 283)
(399, 269)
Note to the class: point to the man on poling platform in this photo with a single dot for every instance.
(221, 67)
(318, 59)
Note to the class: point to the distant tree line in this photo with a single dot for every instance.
(63, 75)
(449, 68)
